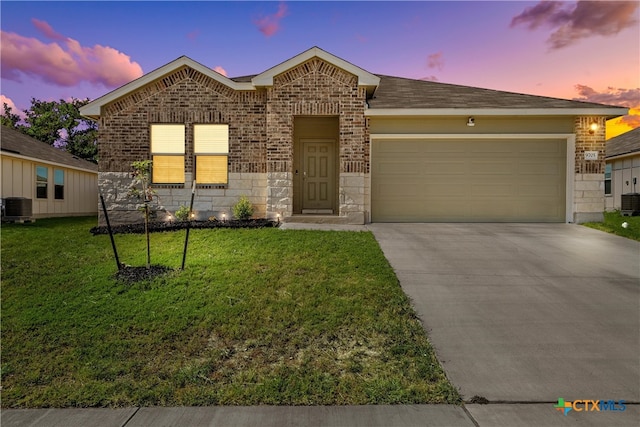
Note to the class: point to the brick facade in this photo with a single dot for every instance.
(260, 135)
(314, 88)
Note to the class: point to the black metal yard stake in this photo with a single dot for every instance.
(146, 231)
(186, 240)
(113, 243)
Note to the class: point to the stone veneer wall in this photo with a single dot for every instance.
(316, 88)
(588, 191)
(208, 202)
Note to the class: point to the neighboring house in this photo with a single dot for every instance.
(58, 183)
(318, 138)
(622, 173)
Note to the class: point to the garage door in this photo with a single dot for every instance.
(474, 180)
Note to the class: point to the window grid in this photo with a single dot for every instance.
(42, 182)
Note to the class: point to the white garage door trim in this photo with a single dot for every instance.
(569, 137)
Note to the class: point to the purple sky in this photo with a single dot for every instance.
(584, 50)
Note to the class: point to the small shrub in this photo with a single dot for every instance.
(182, 213)
(243, 210)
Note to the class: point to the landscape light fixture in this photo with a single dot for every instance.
(224, 216)
(593, 127)
(471, 121)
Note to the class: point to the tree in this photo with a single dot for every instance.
(141, 177)
(60, 124)
(8, 118)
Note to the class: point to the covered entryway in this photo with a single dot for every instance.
(315, 165)
(475, 179)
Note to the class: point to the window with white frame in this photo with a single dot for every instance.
(42, 182)
(607, 179)
(167, 153)
(211, 149)
(58, 184)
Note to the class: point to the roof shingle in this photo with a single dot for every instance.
(399, 92)
(626, 143)
(14, 141)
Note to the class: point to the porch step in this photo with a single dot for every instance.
(317, 219)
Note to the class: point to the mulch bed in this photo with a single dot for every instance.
(158, 226)
(131, 274)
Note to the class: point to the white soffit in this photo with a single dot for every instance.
(364, 77)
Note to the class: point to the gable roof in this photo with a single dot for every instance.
(92, 109)
(365, 78)
(625, 144)
(388, 96)
(14, 142)
(399, 95)
(263, 79)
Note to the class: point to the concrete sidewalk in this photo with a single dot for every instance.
(492, 415)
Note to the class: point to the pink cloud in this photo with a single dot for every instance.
(10, 104)
(64, 61)
(629, 98)
(544, 13)
(219, 69)
(435, 60)
(270, 24)
(632, 120)
(431, 78)
(193, 34)
(47, 30)
(575, 21)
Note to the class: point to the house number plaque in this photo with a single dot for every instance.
(591, 155)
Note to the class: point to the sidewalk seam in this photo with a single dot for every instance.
(473, 420)
(131, 417)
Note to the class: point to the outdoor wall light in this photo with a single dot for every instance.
(593, 127)
(471, 121)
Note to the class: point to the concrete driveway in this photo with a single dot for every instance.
(523, 313)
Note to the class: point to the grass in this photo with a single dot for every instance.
(258, 316)
(613, 224)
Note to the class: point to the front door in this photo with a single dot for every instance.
(318, 176)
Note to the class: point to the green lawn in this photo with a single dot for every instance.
(259, 316)
(613, 224)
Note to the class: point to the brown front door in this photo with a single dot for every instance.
(318, 176)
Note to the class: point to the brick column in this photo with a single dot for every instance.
(588, 199)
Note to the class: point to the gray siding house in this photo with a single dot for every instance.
(622, 170)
